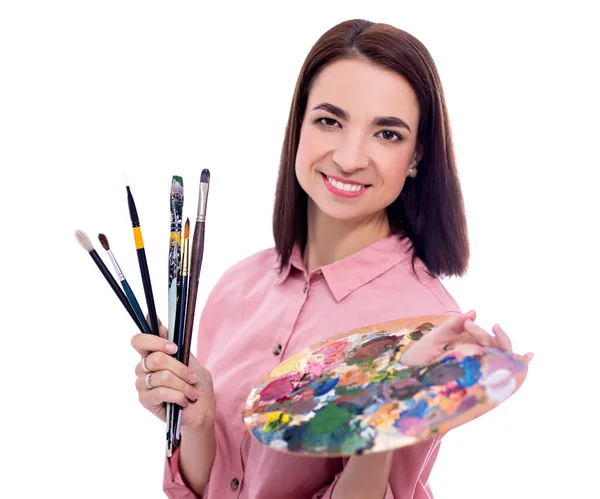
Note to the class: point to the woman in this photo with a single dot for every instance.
(368, 213)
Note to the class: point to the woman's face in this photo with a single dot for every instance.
(358, 140)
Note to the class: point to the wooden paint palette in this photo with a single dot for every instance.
(351, 394)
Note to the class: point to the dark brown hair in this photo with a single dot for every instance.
(430, 208)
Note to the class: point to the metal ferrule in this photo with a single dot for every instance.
(116, 265)
(202, 201)
(185, 257)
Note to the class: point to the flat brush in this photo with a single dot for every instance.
(141, 253)
(85, 242)
(194, 277)
(176, 211)
(124, 284)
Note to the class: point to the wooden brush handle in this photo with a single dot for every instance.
(193, 279)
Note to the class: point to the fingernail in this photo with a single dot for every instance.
(193, 377)
(194, 393)
(171, 347)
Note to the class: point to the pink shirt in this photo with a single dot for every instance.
(255, 318)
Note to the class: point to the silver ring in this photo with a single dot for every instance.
(148, 384)
(144, 367)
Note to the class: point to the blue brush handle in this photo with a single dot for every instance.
(135, 305)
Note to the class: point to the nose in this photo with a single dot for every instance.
(351, 154)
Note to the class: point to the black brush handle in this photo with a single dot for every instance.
(148, 290)
(116, 288)
(180, 320)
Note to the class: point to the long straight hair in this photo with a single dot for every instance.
(430, 209)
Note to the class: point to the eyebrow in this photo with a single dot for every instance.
(378, 121)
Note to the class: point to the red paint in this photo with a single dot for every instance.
(281, 388)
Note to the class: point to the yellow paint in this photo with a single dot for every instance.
(137, 235)
(278, 416)
(294, 363)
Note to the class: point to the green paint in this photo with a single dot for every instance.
(379, 377)
(353, 443)
(329, 419)
(398, 375)
(357, 361)
(347, 390)
(177, 178)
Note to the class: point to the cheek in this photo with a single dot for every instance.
(393, 168)
(307, 153)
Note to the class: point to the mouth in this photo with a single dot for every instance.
(347, 187)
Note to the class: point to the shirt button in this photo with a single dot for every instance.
(277, 350)
(235, 483)
(305, 287)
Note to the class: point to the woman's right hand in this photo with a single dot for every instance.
(172, 381)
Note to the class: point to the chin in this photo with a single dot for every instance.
(342, 213)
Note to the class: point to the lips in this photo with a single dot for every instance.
(344, 188)
(345, 181)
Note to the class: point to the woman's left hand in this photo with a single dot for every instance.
(458, 329)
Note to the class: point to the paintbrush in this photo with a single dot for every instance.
(176, 211)
(125, 285)
(180, 321)
(194, 277)
(85, 242)
(141, 253)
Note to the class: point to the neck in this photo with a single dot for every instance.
(329, 240)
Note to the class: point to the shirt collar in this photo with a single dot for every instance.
(350, 273)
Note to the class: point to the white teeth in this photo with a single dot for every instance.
(345, 187)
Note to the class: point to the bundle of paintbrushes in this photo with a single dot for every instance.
(184, 275)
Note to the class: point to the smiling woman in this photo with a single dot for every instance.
(364, 153)
(368, 214)
(369, 110)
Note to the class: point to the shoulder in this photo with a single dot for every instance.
(426, 286)
(251, 269)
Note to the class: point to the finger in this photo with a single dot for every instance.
(471, 314)
(159, 361)
(167, 379)
(503, 339)
(529, 356)
(160, 395)
(450, 329)
(479, 335)
(163, 332)
(147, 343)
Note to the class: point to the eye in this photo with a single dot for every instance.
(326, 122)
(390, 136)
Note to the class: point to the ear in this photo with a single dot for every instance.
(417, 155)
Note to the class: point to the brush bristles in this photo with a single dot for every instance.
(205, 176)
(84, 240)
(186, 230)
(104, 241)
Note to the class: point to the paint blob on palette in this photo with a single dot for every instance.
(351, 394)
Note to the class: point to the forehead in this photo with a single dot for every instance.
(364, 90)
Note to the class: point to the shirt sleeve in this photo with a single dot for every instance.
(409, 474)
(173, 484)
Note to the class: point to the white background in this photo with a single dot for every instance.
(92, 89)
